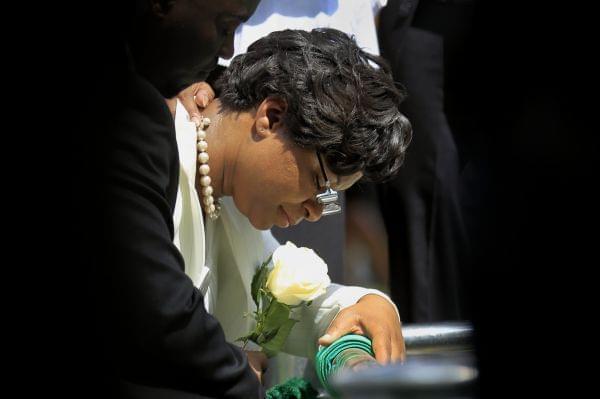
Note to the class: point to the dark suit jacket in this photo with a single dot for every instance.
(422, 204)
(150, 335)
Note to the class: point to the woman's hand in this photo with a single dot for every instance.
(376, 318)
(259, 362)
(197, 95)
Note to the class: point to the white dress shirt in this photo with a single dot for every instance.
(354, 17)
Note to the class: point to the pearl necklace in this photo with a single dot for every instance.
(211, 207)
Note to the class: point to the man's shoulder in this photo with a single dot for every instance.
(137, 120)
(143, 96)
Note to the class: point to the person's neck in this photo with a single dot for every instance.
(224, 138)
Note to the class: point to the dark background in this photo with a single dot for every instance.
(535, 84)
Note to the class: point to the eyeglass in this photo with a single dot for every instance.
(328, 198)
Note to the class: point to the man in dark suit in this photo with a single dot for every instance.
(423, 206)
(147, 333)
(528, 75)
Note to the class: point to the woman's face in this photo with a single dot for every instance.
(276, 181)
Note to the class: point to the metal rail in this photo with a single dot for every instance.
(440, 365)
(437, 337)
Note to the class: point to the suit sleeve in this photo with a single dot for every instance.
(151, 317)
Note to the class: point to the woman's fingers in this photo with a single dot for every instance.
(187, 100)
(204, 94)
(195, 97)
(344, 323)
(376, 318)
(398, 350)
(382, 346)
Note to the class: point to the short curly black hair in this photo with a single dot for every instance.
(342, 101)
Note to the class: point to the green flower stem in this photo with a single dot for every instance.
(273, 322)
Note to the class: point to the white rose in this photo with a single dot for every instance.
(298, 274)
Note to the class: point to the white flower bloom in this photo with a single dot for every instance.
(298, 274)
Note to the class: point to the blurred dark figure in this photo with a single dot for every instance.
(533, 81)
(529, 167)
(424, 207)
(137, 325)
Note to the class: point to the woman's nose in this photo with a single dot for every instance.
(313, 210)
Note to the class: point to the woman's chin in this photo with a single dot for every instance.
(251, 215)
(260, 224)
(260, 221)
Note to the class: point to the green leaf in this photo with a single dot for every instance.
(277, 314)
(272, 347)
(265, 337)
(253, 336)
(265, 298)
(259, 280)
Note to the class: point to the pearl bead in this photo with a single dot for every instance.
(204, 169)
(211, 206)
(206, 191)
(202, 146)
(205, 181)
(203, 157)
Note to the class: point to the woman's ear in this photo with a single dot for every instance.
(269, 116)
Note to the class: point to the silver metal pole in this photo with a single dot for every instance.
(437, 337)
(440, 365)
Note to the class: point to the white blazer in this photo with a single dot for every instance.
(221, 257)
